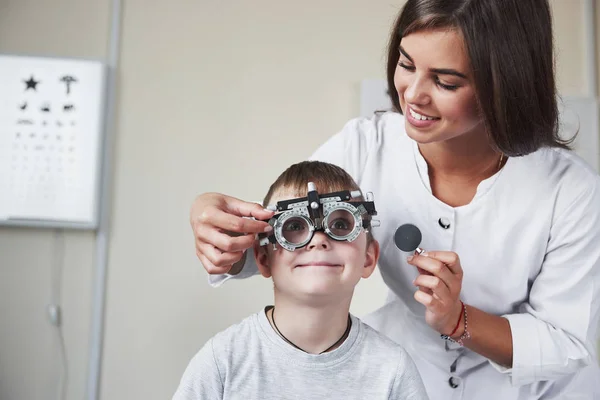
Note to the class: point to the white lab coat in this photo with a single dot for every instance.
(529, 244)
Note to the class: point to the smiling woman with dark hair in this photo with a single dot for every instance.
(505, 303)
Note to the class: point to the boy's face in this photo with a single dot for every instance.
(324, 268)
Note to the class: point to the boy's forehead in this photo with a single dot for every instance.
(289, 193)
(286, 193)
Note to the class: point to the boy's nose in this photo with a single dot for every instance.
(319, 241)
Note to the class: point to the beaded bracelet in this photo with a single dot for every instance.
(465, 335)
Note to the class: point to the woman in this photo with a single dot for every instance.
(507, 300)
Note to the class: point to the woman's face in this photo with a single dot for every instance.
(435, 87)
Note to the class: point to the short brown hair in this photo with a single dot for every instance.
(510, 46)
(326, 177)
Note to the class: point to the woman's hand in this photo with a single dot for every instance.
(440, 283)
(222, 234)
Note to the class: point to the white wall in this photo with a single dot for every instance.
(202, 84)
(29, 350)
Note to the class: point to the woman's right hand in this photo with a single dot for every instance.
(221, 233)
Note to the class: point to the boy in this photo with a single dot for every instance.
(308, 346)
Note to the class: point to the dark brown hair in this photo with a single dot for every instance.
(510, 46)
(326, 177)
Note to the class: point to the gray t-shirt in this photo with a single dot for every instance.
(250, 361)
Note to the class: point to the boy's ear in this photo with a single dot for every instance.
(371, 258)
(262, 260)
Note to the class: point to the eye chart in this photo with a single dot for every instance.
(51, 132)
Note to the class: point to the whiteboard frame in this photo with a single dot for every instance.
(102, 104)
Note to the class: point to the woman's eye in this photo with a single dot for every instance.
(445, 86)
(406, 66)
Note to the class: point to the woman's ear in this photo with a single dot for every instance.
(261, 256)
(371, 258)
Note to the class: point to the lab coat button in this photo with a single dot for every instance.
(454, 382)
(444, 223)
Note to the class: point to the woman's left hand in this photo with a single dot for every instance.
(440, 283)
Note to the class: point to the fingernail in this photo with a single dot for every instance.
(268, 228)
(409, 258)
(425, 254)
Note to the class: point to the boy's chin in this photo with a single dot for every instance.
(319, 291)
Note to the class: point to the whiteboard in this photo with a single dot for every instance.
(51, 136)
(575, 113)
